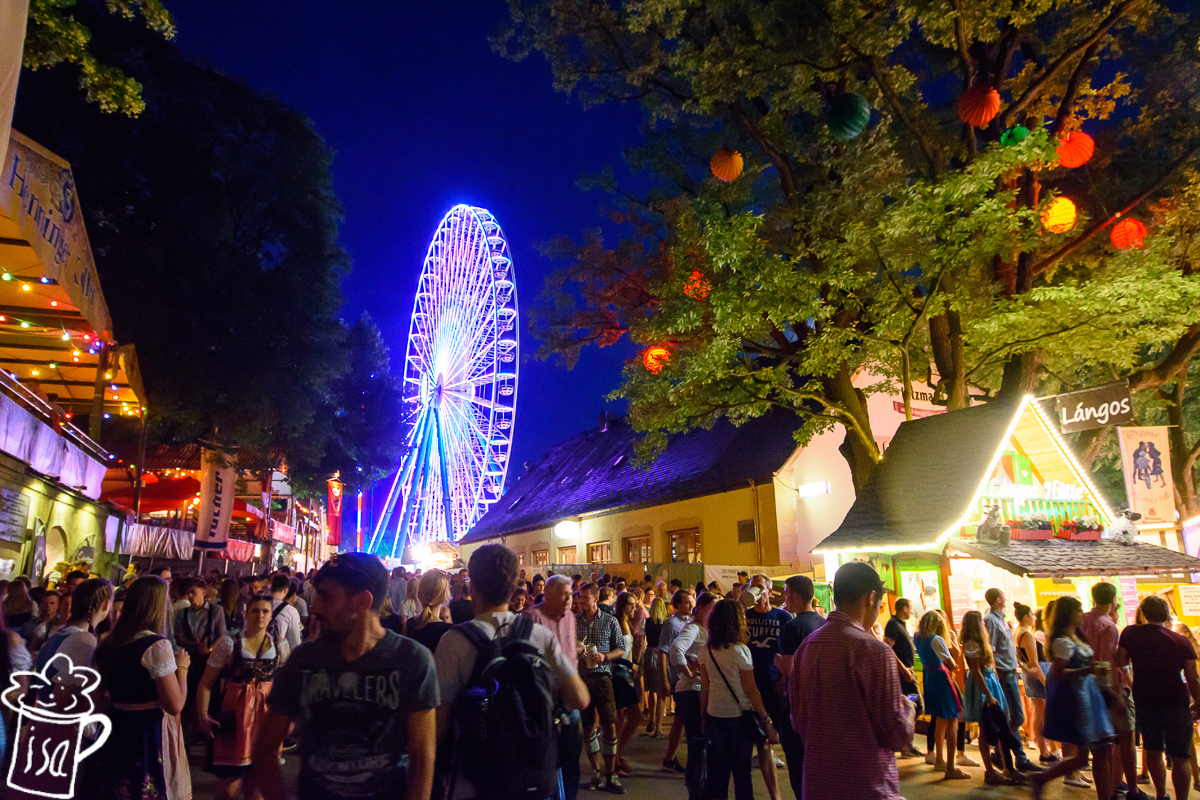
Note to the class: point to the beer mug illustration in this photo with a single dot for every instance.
(51, 721)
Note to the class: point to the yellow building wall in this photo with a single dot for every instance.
(715, 516)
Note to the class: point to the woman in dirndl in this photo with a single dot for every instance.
(245, 665)
(943, 702)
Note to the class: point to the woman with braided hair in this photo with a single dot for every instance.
(91, 603)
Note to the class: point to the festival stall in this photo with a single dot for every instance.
(991, 496)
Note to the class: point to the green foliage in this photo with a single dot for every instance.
(55, 35)
(913, 251)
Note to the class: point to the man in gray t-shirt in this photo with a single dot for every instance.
(683, 603)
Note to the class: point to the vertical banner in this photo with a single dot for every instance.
(1129, 599)
(13, 14)
(1146, 462)
(334, 519)
(217, 485)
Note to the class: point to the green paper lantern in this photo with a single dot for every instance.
(848, 116)
(1014, 135)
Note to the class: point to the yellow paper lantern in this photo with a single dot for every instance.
(1059, 216)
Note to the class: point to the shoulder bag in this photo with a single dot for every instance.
(756, 731)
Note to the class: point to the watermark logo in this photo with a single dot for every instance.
(56, 727)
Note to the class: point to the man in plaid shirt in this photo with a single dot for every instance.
(600, 642)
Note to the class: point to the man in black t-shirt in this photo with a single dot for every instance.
(366, 699)
(798, 597)
(896, 636)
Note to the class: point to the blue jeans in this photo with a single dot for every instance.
(729, 752)
(687, 706)
(1010, 683)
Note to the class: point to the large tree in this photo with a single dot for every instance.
(915, 249)
(214, 225)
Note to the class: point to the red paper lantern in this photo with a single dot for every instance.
(726, 164)
(1059, 216)
(979, 105)
(655, 358)
(1128, 233)
(697, 286)
(1075, 149)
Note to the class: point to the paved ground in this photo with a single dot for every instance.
(650, 782)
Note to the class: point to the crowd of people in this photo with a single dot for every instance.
(488, 683)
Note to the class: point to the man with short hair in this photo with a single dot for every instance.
(846, 699)
(493, 575)
(684, 656)
(365, 699)
(1005, 651)
(897, 637)
(73, 579)
(601, 641)
(398, 590)
(538, 584)
(606, 600)
(284, 618)
(554, 612)
(462, 608)
(682, 604)
(764, 628)
(163, 572)
(1164, 679)
(797, 598)
(1099, 629)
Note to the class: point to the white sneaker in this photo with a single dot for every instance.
(964, 760)
(780, 763)
(930, 757)
(1076, 781)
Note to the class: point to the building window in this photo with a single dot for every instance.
(520, 558)
(566, 555)
(638, 550)
(685, 546)
(599, 553)
(541, 557)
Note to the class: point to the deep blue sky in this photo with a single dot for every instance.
(422, 115)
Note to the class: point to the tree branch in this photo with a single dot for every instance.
(1176, 361)
(893, 101)
(1037, 87)
(1064, 108)
(1083, 238)
(787, 181)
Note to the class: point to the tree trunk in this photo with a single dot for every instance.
(945, 336)
(1182, 473)
(1087, 445)
(859, 448)
(1020, 375)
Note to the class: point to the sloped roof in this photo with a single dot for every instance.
(926, 480)
(1039, 559)
(593, 472)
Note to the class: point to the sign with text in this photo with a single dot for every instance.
(1095, 407)
(1189, 601)
(217, 485)
(14, 514)
(1146, 462)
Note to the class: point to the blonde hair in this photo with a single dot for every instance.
(432, 591)
(658, 610)
(931, 625)
(973, 631)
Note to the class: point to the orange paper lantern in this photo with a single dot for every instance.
(1128, 233)
(726, 164)
(697, 286)
(979, 105)
(1075, 149)
(1059, 216)
(655, 358)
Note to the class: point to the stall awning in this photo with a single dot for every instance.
(1058, 557)
(235, 550)
(152, 542)
(55, 331)
(158, 496)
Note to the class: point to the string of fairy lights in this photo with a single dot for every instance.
(80, 343)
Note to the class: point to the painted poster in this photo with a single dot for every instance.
(218, 481)
(1189, 601)
(922, 588)
(1146, 462)
(333, 536)
(1129, 599)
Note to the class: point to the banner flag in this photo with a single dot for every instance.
(218, 481)
(1096, 407)
(333, 537)
(13, 14)
(1146, 462)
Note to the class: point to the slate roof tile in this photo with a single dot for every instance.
(1062, 557)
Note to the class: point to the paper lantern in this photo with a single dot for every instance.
(697, 286)
(1014, 135)
(726, 164)
(1128, 233)
(1075, 149)
(655, 358)
(979, 105)
(849, 114)
(1059, 216)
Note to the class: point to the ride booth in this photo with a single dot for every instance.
(992, 496)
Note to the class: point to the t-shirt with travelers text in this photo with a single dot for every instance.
(354, 715)
(1158, 656)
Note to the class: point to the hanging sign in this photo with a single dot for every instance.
(334, 518)
(1146, 462)
(1094, 408)
(217, 484)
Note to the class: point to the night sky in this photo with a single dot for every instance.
(422, 114)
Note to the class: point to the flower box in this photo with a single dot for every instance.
(1074, 535)
(1031, 534)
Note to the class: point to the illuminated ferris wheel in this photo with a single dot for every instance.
(460, 386)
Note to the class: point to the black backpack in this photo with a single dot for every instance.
(506, 726)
